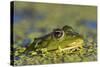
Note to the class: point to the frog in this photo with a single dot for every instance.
(65, 38)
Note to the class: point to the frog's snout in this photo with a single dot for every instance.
(74, 33)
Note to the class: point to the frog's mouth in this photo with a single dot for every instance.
(77, 44)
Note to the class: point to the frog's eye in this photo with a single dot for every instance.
(58, 33)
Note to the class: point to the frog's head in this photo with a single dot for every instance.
(66, 31)
(67, 35)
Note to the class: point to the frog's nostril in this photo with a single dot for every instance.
(75, 33)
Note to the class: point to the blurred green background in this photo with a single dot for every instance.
(33, 20)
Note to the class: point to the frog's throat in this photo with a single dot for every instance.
(77, 43)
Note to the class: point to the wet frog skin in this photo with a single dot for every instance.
(65, 38)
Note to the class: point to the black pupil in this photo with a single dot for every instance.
(58, 34)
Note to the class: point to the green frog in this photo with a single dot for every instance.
(64, 38)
